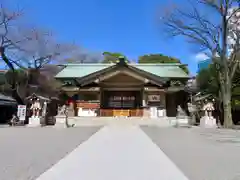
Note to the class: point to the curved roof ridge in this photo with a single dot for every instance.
(134, 64)
(88, 64)
(158, 64)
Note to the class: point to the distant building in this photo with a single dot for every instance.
(204, 64)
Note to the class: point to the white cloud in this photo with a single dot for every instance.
(201, 57)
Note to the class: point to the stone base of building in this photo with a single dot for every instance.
(152, 112)
(102, 121)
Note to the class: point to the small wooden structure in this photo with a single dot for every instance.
(48, 108)
(8, 107)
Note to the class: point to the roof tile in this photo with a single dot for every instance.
(162, 70)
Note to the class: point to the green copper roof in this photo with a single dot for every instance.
(161, 70)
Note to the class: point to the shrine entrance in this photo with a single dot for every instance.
(121, 103)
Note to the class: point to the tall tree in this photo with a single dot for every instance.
(112, 57)
(79, 56)
(40, 51)
(212, 33)
(208, 83)
(26, 47)
(160, 58)
(11, 39)
(28, 82)
(19, 77)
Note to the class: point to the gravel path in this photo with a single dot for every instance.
(200, 154)
(25, 153)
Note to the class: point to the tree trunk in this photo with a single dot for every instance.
(227, 107)
(15, 94)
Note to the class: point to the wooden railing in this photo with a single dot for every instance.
(121, 112)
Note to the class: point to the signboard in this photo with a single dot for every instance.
(21, 113)
(123, 98)
(154, 98)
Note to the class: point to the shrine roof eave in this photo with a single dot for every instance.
(92, 76)
(7, 100)
(160, 70)
(153, 78)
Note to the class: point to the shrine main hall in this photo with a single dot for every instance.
(124, 89)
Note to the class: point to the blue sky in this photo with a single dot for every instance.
(127, 26)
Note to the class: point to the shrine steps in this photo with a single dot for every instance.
(102, 121)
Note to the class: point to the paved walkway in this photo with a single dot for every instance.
(115, 153)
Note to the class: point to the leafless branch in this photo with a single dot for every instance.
(213, 4)
(40, 48)
(220, 37)
(197, 28)
(81, 55)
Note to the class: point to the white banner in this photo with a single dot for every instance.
(21, 113)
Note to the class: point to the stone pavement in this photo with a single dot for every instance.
(202, 154)
(26, 153)
(115, 153)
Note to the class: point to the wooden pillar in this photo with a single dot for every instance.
(171, 104)
(143, 98)
(100, 101)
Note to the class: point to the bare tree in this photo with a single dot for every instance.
(41, 50)
(80, 55)
(11, 40)
(211, 33)
(26, 47)
(38, 53)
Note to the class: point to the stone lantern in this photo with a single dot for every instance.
(191, 87)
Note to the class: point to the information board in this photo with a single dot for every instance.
(21, 113)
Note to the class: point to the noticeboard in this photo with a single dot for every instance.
(21, 113)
